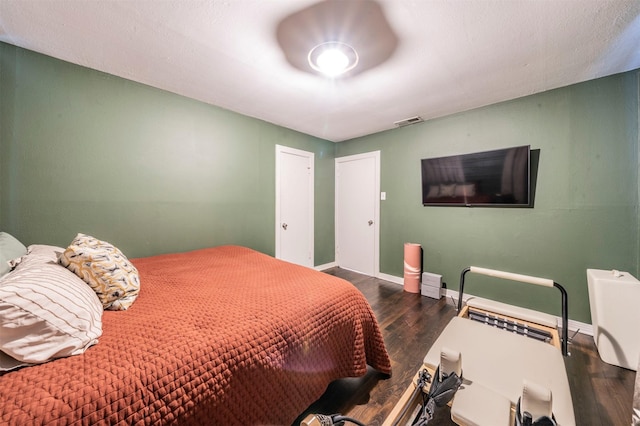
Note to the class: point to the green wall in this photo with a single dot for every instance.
(586, 199)
(149, 171)
(154, 172)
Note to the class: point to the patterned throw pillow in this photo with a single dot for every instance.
(101, 265)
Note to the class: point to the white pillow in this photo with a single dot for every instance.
(10, 248)
(44, 252)
(466, 190)
(48, 252)
(448, 190)
(46, 312)
(7, 363)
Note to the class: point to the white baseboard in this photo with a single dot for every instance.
(391, 278)
(574, 326)
(325, 266)
(582, 327)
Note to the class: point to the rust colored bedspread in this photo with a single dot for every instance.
(220, 336)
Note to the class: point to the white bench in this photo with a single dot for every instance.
(520, 346)
(498, 362)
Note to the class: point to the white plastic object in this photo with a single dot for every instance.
(536, 400)
(450, 362)
(615, 316)
(511, 276)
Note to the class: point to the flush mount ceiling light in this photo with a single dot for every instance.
(333, 58)
(358, 29)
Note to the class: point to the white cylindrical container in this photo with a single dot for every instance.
(613, 298)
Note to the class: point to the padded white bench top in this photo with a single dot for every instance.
(500, 361)
(513, 311)
(475, 405)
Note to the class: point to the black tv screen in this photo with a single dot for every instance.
(491, 178)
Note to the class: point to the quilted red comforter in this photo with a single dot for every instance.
(220, 336)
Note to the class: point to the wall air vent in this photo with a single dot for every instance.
(408, 121)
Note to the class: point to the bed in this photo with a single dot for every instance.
(223, 335)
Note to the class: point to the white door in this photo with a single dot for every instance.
(294, 205)
(357, 212)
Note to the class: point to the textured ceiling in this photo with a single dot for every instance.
(449, 56)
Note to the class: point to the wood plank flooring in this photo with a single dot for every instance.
(602, 394)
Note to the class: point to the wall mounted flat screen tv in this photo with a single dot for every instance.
(499, 178)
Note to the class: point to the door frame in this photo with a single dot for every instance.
(281, 149)
(376, 213)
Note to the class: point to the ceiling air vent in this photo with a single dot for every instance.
(408, 121)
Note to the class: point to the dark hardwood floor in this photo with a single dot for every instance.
(602, 394)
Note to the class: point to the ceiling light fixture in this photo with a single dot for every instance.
(333, 58)
(357, 28)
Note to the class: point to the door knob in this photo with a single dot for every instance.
(370, 222)
(284, 226)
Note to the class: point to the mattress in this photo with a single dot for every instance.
(222, 335)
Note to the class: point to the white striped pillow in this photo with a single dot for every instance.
(46, 312)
